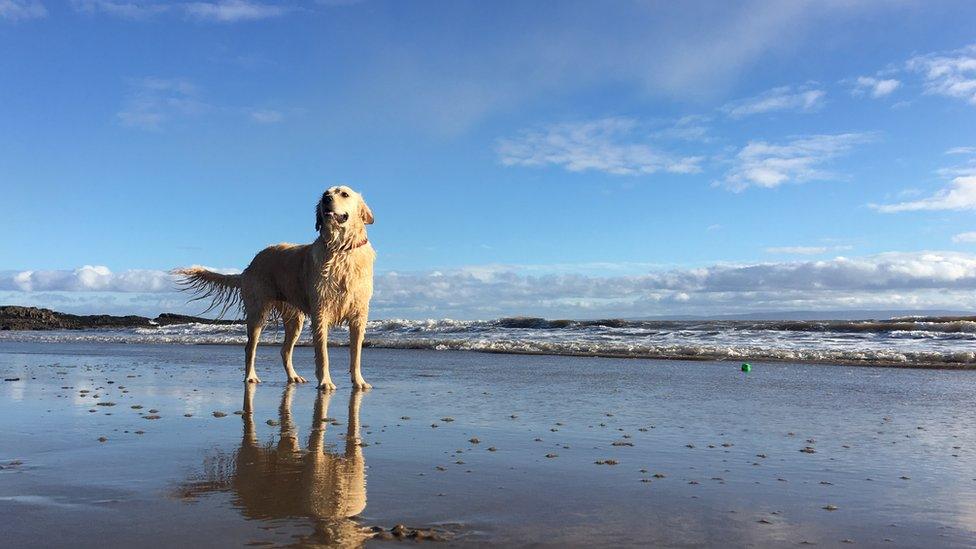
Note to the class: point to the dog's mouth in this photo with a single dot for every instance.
(339, 218)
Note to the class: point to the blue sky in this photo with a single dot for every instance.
(553, 159)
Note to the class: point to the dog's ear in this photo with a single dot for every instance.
(318, 217)
(365, 213)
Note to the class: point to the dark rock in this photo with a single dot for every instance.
(13, 317)
(167, 319)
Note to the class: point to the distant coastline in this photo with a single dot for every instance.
(15, 317)
(18, 317)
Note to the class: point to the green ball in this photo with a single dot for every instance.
(746, 367)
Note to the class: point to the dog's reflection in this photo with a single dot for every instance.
(284, 481)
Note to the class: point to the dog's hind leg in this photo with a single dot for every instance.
(293, 320)
(255, 322)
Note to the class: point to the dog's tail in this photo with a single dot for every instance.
(223, 290)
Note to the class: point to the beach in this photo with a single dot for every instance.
(108, 444)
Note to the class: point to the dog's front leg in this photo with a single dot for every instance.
(320, 336)
(357, 331)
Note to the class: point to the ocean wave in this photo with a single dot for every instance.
(921, 324)
(903, 325)
(696, 352)
(914, 342)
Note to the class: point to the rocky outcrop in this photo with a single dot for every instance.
(166, 319)
(13, 317)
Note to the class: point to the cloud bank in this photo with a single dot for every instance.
(915, 280)
(90, 278)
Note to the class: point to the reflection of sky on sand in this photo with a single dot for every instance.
(287, 480)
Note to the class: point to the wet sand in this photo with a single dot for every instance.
(162, 445)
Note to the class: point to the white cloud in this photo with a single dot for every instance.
(229, 11)
(125, 10)
(151, 102)
(961, 170)
(805, 250)
(967, 238)
(19, 10)
(687, 128)
(92, 278)
(611, 145)
(87, 278)
(875, 87)
(222, 11)
(906, 280)
(785, 98)
(952, 74)
(768, 165)
(962, 150)
(266, 116)
(959, 195)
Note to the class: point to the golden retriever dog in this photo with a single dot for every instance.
(329, 280)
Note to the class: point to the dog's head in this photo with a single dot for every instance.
(341, 207)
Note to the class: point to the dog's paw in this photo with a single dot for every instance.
(327, 386)
(252, 379)
(361, 385)
(297, 379)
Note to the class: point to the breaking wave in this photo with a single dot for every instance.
(908, 341)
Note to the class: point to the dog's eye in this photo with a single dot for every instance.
(345, 194)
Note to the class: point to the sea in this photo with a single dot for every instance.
(941, 342)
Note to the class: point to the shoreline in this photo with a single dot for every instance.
(832, 361)
(920, 343)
